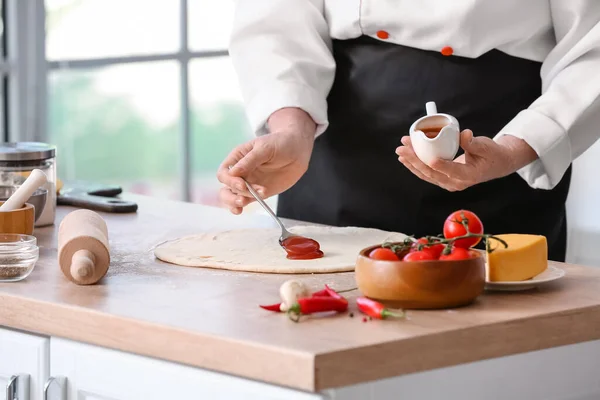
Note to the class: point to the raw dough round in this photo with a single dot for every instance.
(258, 250)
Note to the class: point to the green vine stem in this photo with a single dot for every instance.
(409, 241)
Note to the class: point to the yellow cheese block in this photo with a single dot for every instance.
(525, 257)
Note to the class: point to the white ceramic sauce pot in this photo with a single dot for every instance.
(435, 135)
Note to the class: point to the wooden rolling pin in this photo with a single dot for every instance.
(83, 250)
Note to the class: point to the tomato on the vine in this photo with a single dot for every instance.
(457, 253)
(434, 249)
(420, 241)
(419, 255)
(453, 227)
(382, 253)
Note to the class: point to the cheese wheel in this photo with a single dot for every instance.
(525, 257)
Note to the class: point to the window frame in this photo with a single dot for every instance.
(4, 70)
(30, 118)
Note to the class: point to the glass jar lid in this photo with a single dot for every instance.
(26, 151)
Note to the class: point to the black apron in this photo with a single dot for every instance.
(380, 89)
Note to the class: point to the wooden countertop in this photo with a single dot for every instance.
(210, 319)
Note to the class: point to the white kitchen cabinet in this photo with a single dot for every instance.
(562, 373)
(25, 358)
(95, 373)
(79, 371)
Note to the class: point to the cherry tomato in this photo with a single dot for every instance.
(453, 227)
(435, 250)
(419, 256)
(420, 241)
(457, 253)
(382, 253)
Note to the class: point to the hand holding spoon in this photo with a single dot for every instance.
(297, 247)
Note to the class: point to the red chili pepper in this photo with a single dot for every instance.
(309, 305)
(272, 307)
(328, 291)
(375, 309)
(323, 292)
(333, 293)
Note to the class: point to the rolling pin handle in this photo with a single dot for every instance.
(82, 264)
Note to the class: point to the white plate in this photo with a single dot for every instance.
(552, 273)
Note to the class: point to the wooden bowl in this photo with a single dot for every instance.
(18, 221)
(421, 284)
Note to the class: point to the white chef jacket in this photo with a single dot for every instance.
(281, 50)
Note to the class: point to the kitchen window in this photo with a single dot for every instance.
(134, 92)
(142, 94)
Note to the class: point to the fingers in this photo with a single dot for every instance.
(466, 138)
(234, 201)
(244, 159)
(224, 175)
(416, 171)
(450, 175)
(407, 156)
(259, 154)
(241, 163)
(471, 144)
(456, 169)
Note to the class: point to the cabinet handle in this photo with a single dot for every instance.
(18, 387)
(59, 381)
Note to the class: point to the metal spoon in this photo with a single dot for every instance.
(284, 232)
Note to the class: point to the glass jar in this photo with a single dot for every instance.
(17, 160)
(18, 256)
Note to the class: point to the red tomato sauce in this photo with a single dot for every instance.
(301, 248)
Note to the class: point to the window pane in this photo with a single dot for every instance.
(118, 125)
(3, 130)
(2, 28)
(79, 29)
(3, 124)
(218, 122)
(210, 24)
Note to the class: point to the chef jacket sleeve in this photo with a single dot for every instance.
(565, 120)
(281, 51)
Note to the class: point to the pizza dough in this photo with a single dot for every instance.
(258, 250)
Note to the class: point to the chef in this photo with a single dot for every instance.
(332, 86)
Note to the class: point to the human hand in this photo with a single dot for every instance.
(271, 163)
(484, 159)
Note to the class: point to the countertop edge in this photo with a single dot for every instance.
(483, 343)
(282, 367)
